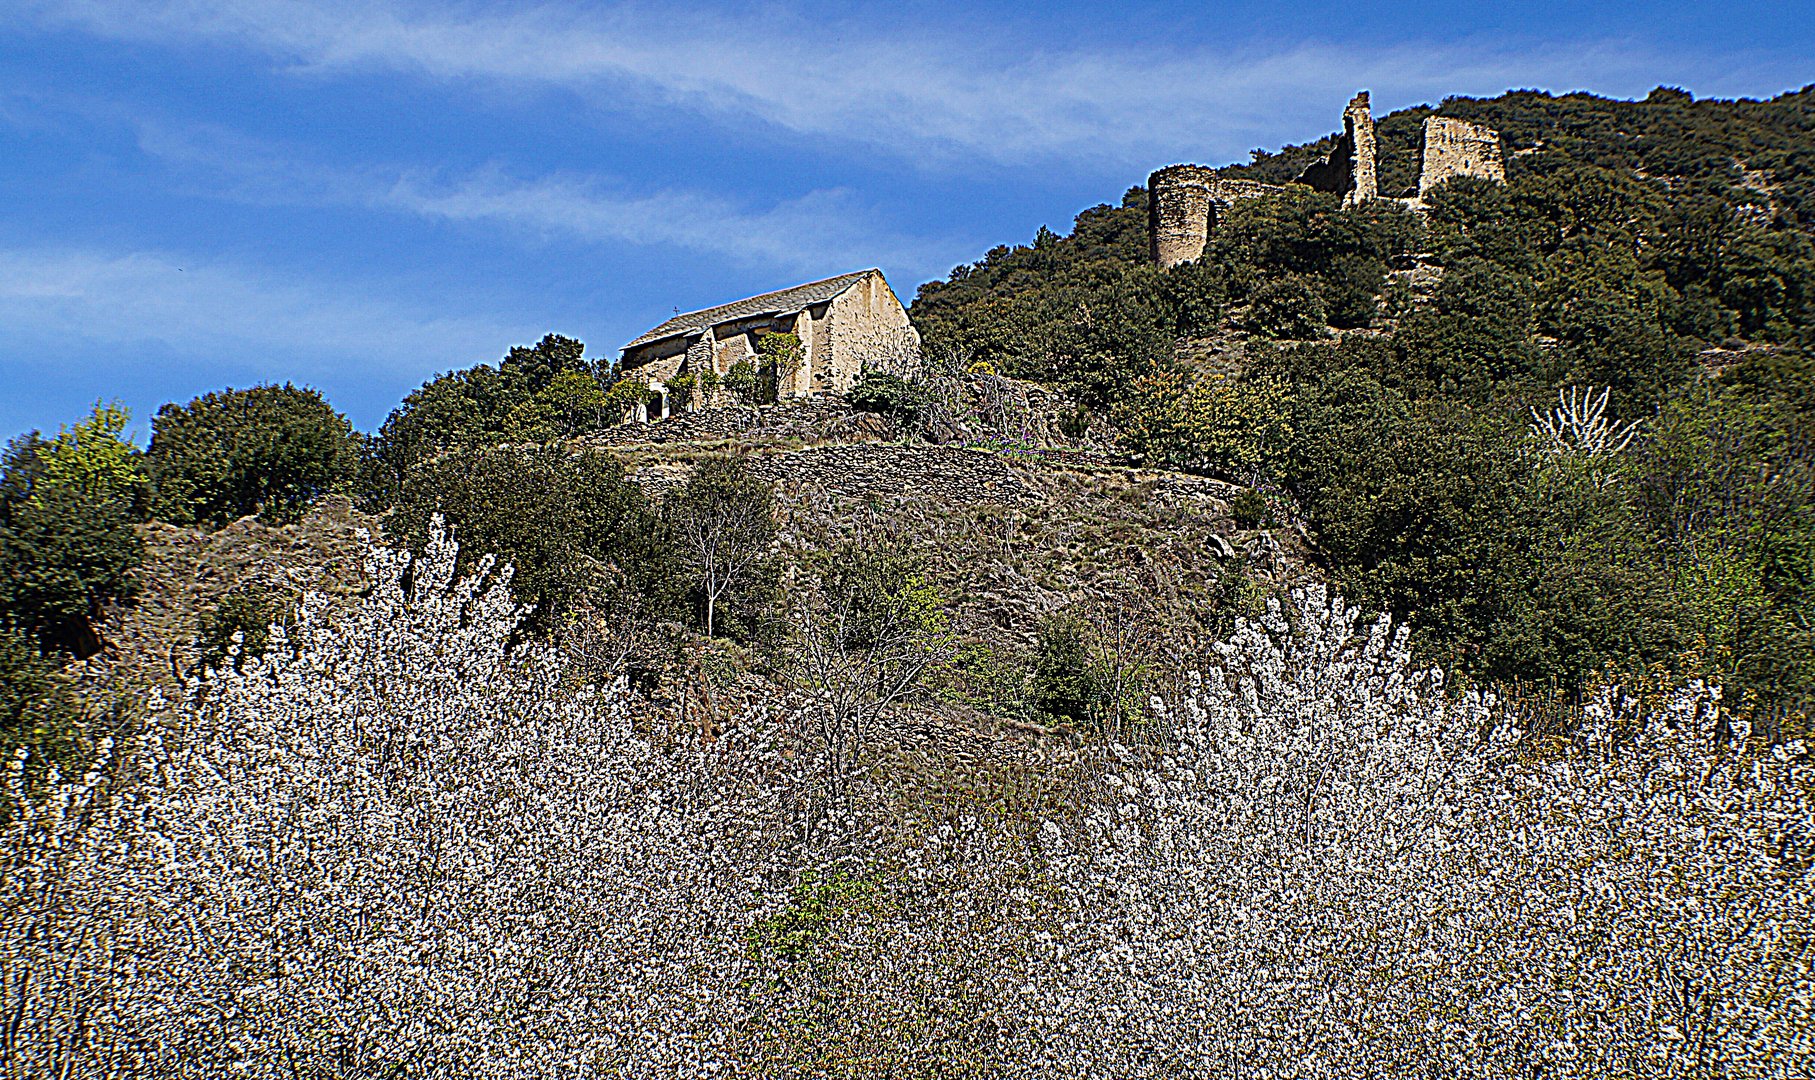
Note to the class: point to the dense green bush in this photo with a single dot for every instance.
(889, 395)
(39, 710)
(1286, 307)
(67, 543)
(577, 533)
(550, 391)
(269, 450)
(1066, 686)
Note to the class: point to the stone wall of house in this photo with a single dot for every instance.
(1458, 148)
(866, 326)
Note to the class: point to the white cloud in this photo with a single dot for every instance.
(200, 309)
(906, 93)
(825, 231)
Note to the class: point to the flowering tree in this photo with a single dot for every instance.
(1341, 868)
(395, 846)
(392, 846)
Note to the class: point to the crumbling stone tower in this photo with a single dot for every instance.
(1458, 148)
(1351, 170)
(1179, 212)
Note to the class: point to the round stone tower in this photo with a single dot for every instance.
(1179, 212)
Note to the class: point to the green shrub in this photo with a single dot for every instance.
(577, 532)
(248, 612)
(1287, 307)
(889, 395)
(1066, 686)
(39, 710)
(269, 450)
(67, 542)
(1250, 509)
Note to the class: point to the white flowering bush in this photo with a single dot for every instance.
(1340, 868)
(393, 846)
(397, 846)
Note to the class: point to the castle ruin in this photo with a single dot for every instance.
(1183, 201)
(1458, 148)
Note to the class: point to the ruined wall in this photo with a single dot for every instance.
(1458, 148)
(1358, 126)
(1351, 170)
(1182, 204)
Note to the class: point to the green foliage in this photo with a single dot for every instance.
(1250, 509)
(93, 457)
(804, 935)
(248, 612)
(890, 395)
(67, 543)
(884, 597)
(534, 394)
(1067, 687)
(1286, 307)
(1209, 424)
(269, 450)
(39, 710)
(577, 533)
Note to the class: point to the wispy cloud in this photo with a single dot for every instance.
(821, 229)
(914, 94)
(198, 309)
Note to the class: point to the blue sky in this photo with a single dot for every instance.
(358, 194)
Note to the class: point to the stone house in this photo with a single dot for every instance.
(844, 324)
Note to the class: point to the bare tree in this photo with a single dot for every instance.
(724, 522)
(870, 630)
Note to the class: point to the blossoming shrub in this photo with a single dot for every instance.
(394, 846)
(390, 846)
(1342, 868)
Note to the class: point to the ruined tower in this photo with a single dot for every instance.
(1350, 170)
(1358, 126)
(1179, 212)
(1458, 148)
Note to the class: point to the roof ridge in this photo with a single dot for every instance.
(811, 292)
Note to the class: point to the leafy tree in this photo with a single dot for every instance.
(40, 712)
(722, 521)
(1287, 307)
(576, 531)
(1066, 686)
(269, 450)
(533, 393)
(67, 543)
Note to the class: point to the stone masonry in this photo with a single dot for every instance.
(1182, 204)
(1351, 168)
(1458, 148)
(1183, 201)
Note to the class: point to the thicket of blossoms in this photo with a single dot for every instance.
(396, 846)
(392, 846)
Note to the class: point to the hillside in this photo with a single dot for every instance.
(1387, 371)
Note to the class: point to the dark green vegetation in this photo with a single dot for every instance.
(1660, 250)
(270, 451)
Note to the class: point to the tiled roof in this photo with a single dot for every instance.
(781, 302)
